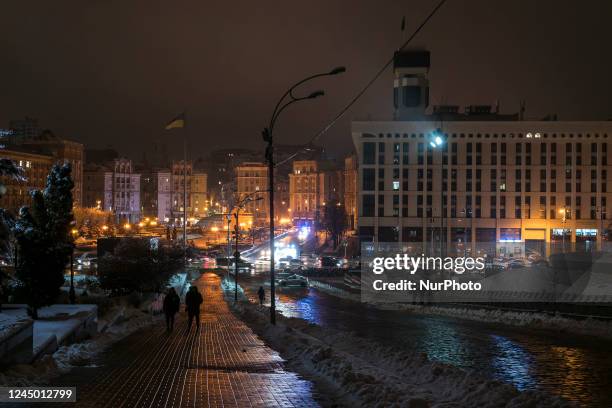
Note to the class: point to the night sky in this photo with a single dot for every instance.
(113, 72)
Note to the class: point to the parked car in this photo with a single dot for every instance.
(243, 266)
(294, 281)
(284, 262)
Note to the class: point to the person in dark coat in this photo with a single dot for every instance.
(262, 295)
(193, 300)
(171, 307)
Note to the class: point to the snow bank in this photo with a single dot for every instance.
(11, 324)
(77, 354)
(363, 373)
(535, 320)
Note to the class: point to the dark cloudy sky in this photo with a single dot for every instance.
(112, 72)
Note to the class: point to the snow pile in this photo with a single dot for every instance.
(11, 323)
(77, 354)
(363, 373)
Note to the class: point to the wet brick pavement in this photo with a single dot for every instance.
(224, 364)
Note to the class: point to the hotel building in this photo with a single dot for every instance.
(478, 175)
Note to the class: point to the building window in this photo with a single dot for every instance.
(510, 234)
(405, 151)
(369, 153)
(381, 179)
(368, 205)
(420, 151)
(381, 153)
(368, 180)
(412, 96)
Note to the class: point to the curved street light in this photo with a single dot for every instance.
(267, 135)
(437, 141)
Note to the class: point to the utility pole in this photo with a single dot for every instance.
(229, 245)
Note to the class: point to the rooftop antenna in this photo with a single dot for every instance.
(522, 110)
(497, 106)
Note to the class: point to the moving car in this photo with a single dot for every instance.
(87, 259)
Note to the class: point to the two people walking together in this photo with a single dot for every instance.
(172, 302)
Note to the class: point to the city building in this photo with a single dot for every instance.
(23, 130)
(114, 187)
(63, 151)
(35, 167)
(478, 175)
(312, 184)
(181, 190)
(196, 191)
(198, 199)
(350, 190)
(251, 179)
(156, 194)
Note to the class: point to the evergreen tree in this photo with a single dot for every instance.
(43, 237)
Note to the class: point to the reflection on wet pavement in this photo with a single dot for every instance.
(574, 367)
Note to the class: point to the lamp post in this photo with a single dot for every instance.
(563, 211)
(267, 134)
(437, 141)
(601, 211)
(229, 242)
(71, 293)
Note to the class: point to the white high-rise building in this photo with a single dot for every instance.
(478, 175)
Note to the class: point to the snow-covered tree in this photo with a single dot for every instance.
(8, 168)
(43, 237)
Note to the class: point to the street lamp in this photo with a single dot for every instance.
(437, 142)
(564, 212)
(267, 134)
(71, 293)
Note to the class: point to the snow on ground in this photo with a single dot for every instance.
(55, 320)
(362, 373)
(535, 320)
(78, 354)
(11, 323)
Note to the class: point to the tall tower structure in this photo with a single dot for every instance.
(411, 84)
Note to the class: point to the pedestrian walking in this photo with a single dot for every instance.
(262, 295)
(193, 300)
(171, 307)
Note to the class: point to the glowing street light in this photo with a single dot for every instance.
(268, 137)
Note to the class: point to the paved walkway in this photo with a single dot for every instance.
(224, 364)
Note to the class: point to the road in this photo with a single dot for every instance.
(575, 367)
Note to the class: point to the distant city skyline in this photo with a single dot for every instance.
(116, 73)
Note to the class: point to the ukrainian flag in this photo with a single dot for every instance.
(177, 123)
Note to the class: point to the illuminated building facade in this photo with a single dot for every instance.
(479, 176)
